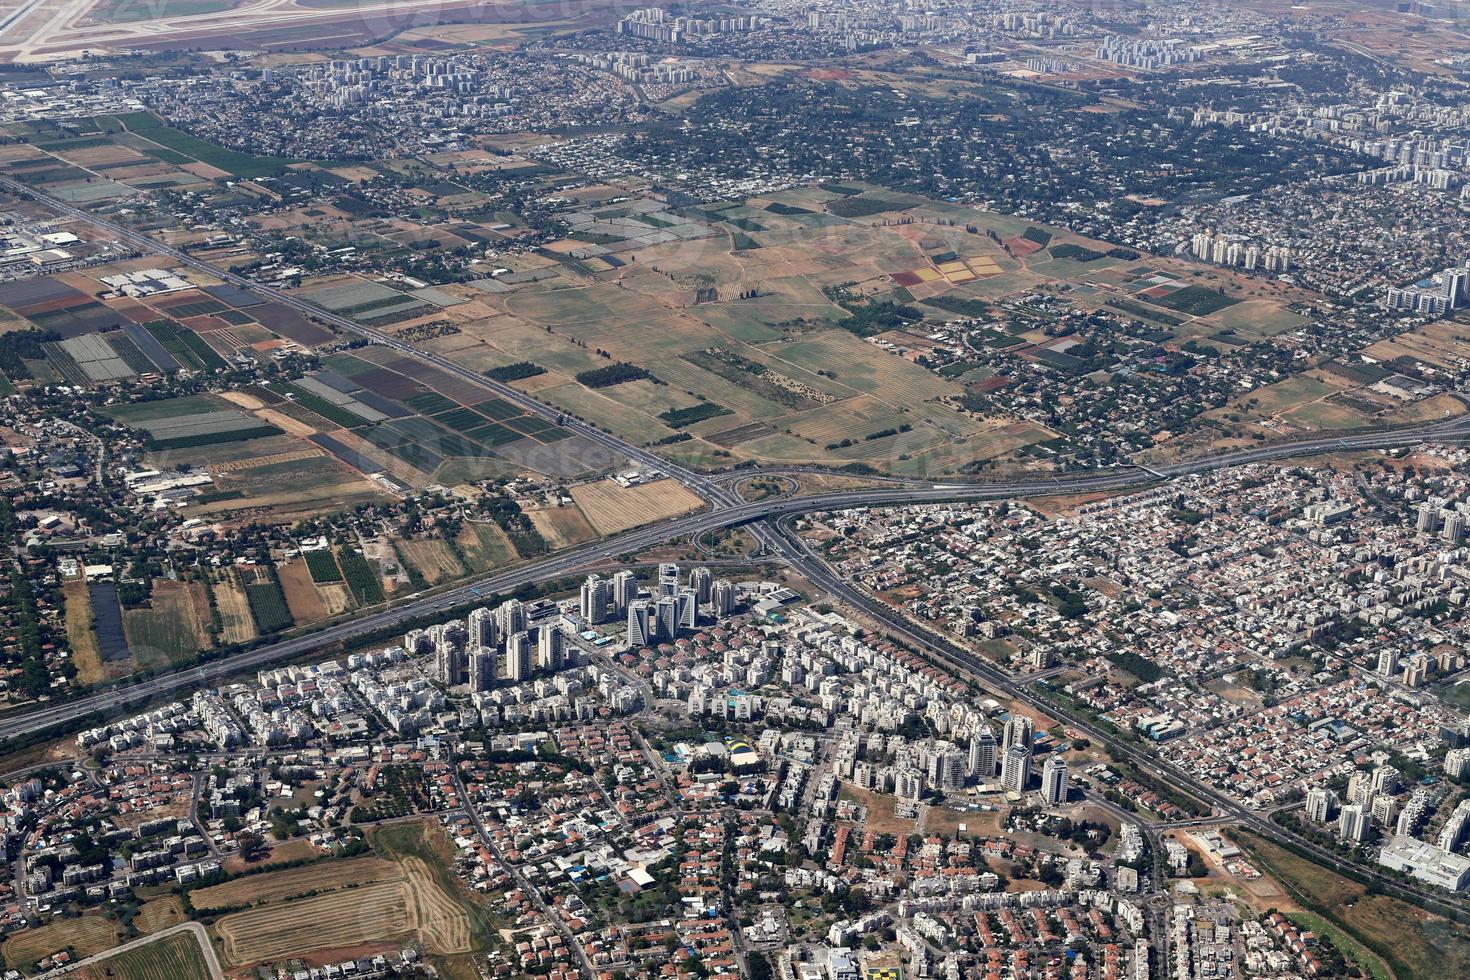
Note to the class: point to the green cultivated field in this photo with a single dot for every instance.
(268, 606)
(323, 567)
(155, 130)
(362, 577)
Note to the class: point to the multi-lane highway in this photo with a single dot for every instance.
(722, 513)
(725, 509)
(967, 663)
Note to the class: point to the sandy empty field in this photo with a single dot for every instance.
(335, 598)
(562, 527)
(612, 508)
(301, 595)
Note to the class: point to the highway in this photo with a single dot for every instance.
(721, 514)
(767, 519)
(942, 650)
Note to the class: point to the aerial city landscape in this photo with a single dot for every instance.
(802, 489)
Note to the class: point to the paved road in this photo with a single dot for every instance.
(722, 514)
(614, 446)
(194, 928)
(553, 916)
(726, 510)
(966, 662)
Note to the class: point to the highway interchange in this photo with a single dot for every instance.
(767, 519)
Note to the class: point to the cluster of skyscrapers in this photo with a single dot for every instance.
(1449, 524)
(1146, 52)
(1208, 247)
(1436, 295)
(491, 646)
(672, 607)
(1012, 756)
(655, 24)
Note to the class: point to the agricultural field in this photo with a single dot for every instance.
(747, 335)
(338, 919)
(304, 598)
(251, 453)
(361, 576)
(379, 412)
(366, 902)
(326, 875)
(562, 527)
(84, 936)
(610, 507)
(85, 653)
(237, 625)
(178, 322)
(171, 630)
(431, 558)
(266, 600)
(174, 957)
(159, 914)
(485, 546)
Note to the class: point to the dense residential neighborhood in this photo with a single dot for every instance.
(778, 488)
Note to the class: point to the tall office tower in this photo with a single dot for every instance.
(449, 664)
(1321, 803)
(550, 648)
(1352, 823)
(667, 615)
(1015, 770)
(1388, 662)
(511, 614)
(484, 630)
(668, 578)
(722, 598)
(700, 580)
(595, 594)
(1054, 780)
(1428, 518)
(687, 606)
(638, 624)
(518, 657)
(982, 754)
(1454, 527)
(625, 589)
(1018, 731)
(483, 663)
